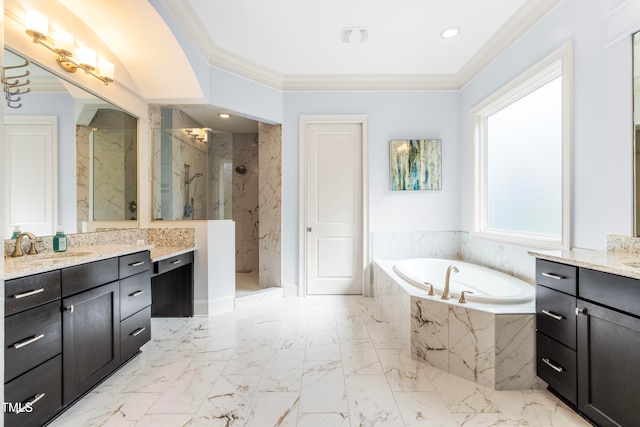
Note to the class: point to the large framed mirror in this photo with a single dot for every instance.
(70, 157)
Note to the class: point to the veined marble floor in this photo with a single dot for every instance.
(314, 361)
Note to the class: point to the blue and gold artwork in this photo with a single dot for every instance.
(416, 164)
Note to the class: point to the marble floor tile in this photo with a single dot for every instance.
(313, 361)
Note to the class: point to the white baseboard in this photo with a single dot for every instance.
(290, 290)
(213, 307)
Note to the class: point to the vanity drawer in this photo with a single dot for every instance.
(135, 294)
(134, 263)
(43, 383)
(134, 332)
(557, 276)
(556, 315)
(88, 276)
(556, 365)
(618, 292)
(31, 337)
(174, 262)
(30, 291)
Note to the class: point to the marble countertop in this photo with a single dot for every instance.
(49, 261)
(615, 262)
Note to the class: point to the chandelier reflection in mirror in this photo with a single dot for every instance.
(37, 26)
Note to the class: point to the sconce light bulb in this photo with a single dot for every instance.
(37, 25)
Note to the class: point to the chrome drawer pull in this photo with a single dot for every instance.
(138, 331)
(136, 264)
(28, 294)
(553, 276)
(552, 315)
(30, 403)
(177, 261)
(552, 365)
(136, 293)
(28, 341)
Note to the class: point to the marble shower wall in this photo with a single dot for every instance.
(510, 259)
(114, 136)
(245, 200)
(270, 197)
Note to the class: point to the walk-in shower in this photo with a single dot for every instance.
(188, 196)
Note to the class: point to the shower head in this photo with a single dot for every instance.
(193, 177)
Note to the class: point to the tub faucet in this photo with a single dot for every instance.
(445, 292)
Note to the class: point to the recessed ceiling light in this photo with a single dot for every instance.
(224, 115)
(355, 35)
(449, 33)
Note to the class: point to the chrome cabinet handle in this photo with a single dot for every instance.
(28, 294)
(136, 264)
(581, 311)
(553, 276)
(137, 293)
(177, 261)
(69, 309)
(552, 315)
(552, 365)
(138, 331)
(28, 341)
(30, 403)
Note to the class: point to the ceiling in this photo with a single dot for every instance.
(297, 44)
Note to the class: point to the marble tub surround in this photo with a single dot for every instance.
(491, 345)
(509, 259)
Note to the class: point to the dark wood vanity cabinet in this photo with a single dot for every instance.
(589, 357)
(172, 286)
(67, 330)
(32, 352)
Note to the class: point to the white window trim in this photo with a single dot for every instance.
(558, 63)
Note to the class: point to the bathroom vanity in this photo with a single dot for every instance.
(588, 333)
(172, 285)
(68, 328)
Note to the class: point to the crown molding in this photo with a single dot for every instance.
(521, 22)
(523, 19)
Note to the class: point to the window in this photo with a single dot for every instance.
(521, 156)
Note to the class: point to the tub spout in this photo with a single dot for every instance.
(445, 292)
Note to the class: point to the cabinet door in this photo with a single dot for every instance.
(608, 368)
(90, 338)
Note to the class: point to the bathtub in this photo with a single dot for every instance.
(487, 285)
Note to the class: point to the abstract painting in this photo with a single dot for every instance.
(416, 164)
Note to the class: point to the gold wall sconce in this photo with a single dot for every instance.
(37, 26)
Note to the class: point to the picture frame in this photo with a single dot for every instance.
(416, 164)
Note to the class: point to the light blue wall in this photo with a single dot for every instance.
(391, 115)
(602, 138)
(62, 106)
(602, 141)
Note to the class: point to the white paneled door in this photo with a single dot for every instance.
(334, 206)
(31, 173)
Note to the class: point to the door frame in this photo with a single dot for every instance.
(363, 121)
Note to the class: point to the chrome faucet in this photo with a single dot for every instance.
(445, 292)
(17, 251)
